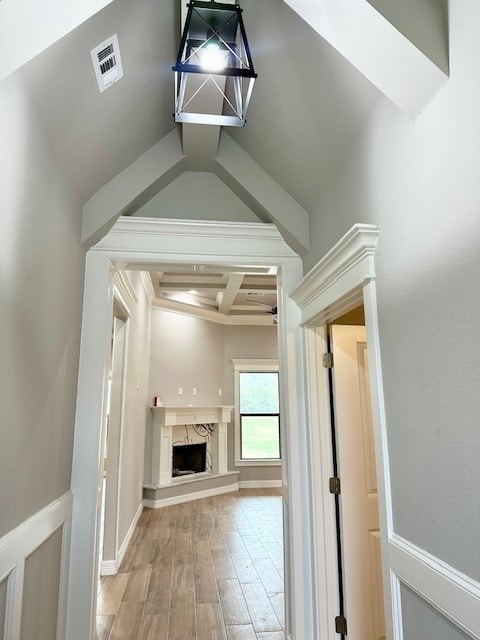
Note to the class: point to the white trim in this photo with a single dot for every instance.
(111, 567)
(124, 290)
(260, 484)
(148, 286)
(342, 278)
(17, 545)
(134, 240)
(338, 275)
(259, 364)
(188, 497)
(113, 468)
(259, 463)
(323, 507)
(454, 594)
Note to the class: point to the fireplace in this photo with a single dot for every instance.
(189, 459)
(197, 425)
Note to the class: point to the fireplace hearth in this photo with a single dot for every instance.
(189, 459)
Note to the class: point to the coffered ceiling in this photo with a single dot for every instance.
(225, 295)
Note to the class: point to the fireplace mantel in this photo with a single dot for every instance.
(173, 416)
(166, 418)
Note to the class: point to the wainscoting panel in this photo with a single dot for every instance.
(17, 545)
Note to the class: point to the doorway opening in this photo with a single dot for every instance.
(342, 281)
(354, 481)
(212, 531)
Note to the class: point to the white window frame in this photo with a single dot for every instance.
(251, 366)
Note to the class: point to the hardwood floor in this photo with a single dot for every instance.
(211, 569)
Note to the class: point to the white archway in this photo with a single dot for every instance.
(147, 240)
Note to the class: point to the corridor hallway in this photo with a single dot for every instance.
(210, 569)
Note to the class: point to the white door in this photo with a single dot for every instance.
(359, 526)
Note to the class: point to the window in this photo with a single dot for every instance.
(257, 412)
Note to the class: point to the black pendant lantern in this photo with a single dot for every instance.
(214, 74)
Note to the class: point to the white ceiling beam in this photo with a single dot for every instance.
(192, 279)
(212, 316)
(285, 212)
(164, 162)
(232, 290)
(406, 72)
(187, 286)
(136, 184)
(28, 27)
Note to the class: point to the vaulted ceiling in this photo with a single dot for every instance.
(307, 102)
(311, 96)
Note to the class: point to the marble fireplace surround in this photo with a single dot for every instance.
(166, 421)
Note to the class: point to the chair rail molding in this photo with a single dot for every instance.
(451, 592)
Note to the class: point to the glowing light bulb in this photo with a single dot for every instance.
(212, 57)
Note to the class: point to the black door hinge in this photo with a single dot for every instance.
(334, 486)
(341, 625)
(328, 360)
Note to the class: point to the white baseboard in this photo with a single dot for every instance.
(451, 592)
(187, 497)
(111, 567)
(260, 484)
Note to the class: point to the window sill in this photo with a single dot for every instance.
(258, 463)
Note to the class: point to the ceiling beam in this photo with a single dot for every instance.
(164, 162)
(134, 186)
(285, 212)
(212, 316)
(28, 27)
(232, 290)
(168, 279)
(382, 40)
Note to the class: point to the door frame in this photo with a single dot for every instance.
(134, 240)
(342, 280)
(124, 299)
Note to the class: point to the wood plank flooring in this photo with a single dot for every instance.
(211, 569)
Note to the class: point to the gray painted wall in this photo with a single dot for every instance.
(41, 288)
(136, 402)
(189, 352)
(197, 196)
(40, 590)
(421, 183)
(185, 352)
(421, 621)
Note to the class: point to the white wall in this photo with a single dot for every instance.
(41, 266)
(420, 182)
(136, 403)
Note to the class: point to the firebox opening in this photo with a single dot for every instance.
(189, 458)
